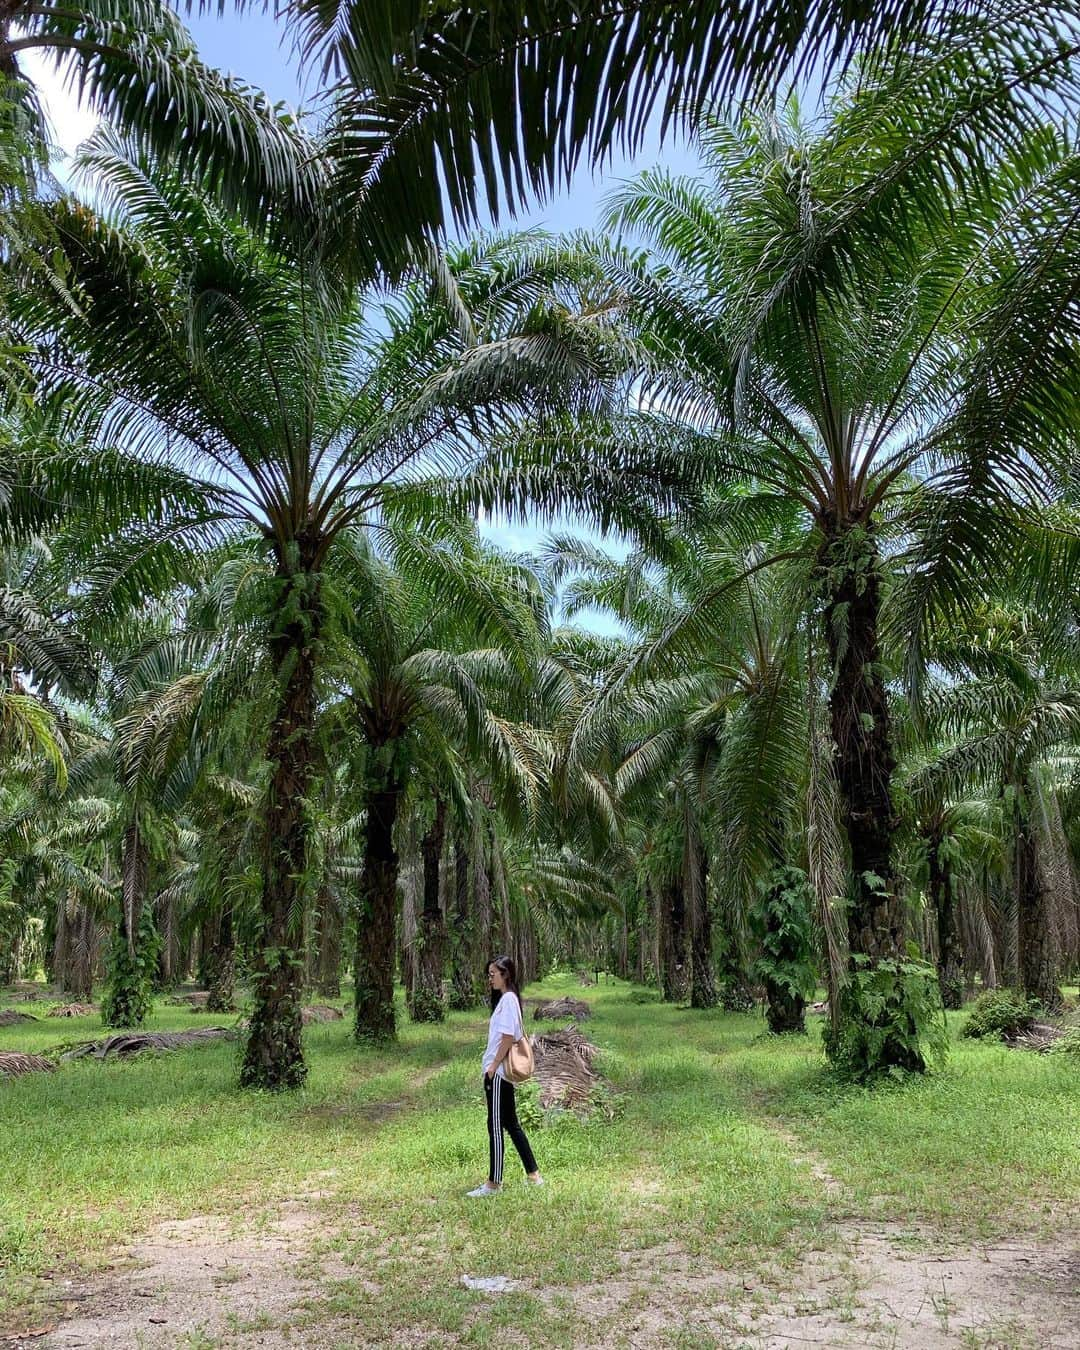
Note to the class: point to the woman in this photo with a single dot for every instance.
(504, 1029)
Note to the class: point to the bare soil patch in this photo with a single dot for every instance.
(206, 1280)
(192, 1281)
(889, 1286)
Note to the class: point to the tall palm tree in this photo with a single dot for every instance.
(134, 63)
(43, 656)
(1017, 710)
(721, 733)
(42, 653)
(869, 412)
(57, 853)
(444, 633)
(218, 385)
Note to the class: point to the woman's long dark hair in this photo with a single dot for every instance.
(506, 968)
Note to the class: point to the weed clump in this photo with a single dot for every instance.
(1001, 1015)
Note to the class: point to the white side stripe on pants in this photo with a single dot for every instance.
(496, 1125)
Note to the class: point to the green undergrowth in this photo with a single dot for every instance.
(715, 1142)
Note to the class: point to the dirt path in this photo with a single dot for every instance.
(196, 1283)
(876, 1294)
(204, 1283)
(215, 1283)
(878, 1285)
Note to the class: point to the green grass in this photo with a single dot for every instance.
(710, 1149)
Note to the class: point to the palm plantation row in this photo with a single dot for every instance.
(264, 681)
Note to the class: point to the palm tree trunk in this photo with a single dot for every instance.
(502, 935)
(427, 1002)
(1037, 955)
(274, 1055)
(483, 886)
(674, 966)
(169, 960)
(703, 979)
(331, 929)
(464, 980)
(127, 1000)
(943, 902)
(376, 921)
(861, 733)
(524, 951)
(60, 956)
(644, 905)
(622, 956)
(785, 1009)
(219, 965)
(82, 953)
(880, 1036)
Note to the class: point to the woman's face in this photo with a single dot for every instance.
(496, 978)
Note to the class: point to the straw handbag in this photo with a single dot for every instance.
(518, 1065)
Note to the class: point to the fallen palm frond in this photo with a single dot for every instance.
(72, 1010)
(559, 1008)
(196, 1000)
(12, 1064)
(9, 1016)
(134, 1042)
(564, 1071)
(29, 991)
(1049, 1035)
(1040, 1036)
(320, 1012)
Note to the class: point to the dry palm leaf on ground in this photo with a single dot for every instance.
(195, 1000)
(320, 1012)
(72, 1010)
(12, 1064)
(1042, 1036)
(559, 1008)
(29, 991)
(134, 1042)
(564, 1070)
(9, 1017)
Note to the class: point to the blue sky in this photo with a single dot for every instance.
(254, 47)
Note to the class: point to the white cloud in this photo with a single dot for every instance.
(70, 121)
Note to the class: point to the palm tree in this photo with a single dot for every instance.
(42, 657)
(444, 633)
(135, 64)
(1017, 711)
(499, 103)
(722, 732)
(869, 414)
(56, 872)
(42, 653)
(162, 698)
(247, 390)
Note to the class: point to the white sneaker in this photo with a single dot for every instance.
(530, 1181)
(483, 1190)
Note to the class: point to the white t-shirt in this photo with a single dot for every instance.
(505, 1021)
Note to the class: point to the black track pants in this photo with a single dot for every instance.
(502, 1115)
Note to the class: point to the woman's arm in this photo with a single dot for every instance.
(504, 1049)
